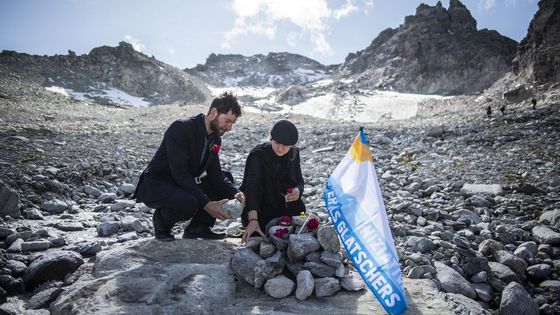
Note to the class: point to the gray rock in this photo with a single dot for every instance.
(503, 272)
(539, 271)
(320, 270)
(69, 226)
(233, 208)
(52, 265)
(12, 285)
(464, 213)
(301, 245)
(419, 244)
(243, 264)
(326, 286)
(253, 242)
(266, 250)
(121, 204)
(488, 247)
(545, 235)
(473, 265)
(17, 267)
(54, 206)
(107, 197)
(331, 259)
(5, 232)
(515, 263)
(551, 285)
(484, 291)
(84, 248)
(130, 223)
(9, 201)
(328, 238)
(551, 218)
(35, 246)
(479, 201)
(33, 214)
(480, 277)
(451, 281)
(515, 300)
(154, 277)
(108, 228)
(127, 189)
(268, 269)
(15, 247)
(461, 242)
(279, 287)
(92, 191)
(129, 236)
(352, 283)
(305, 285)
(44, 298)
(475, 189)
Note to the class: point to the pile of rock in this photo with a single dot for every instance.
(300, 253)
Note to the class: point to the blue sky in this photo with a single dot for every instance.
(184, 32)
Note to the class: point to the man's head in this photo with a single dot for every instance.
(223, 113)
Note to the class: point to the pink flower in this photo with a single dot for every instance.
(285, 220)
(312, 224)
(290, 190)
(216, 148)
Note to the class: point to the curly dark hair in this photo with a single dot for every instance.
(225, 103)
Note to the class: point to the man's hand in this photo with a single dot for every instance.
(252, 227)
(214, 208)
(240, 196)
(293, 196)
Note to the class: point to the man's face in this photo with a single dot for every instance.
(221, 123)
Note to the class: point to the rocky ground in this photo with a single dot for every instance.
(474, 203)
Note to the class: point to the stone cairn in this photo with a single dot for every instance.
(300, 253)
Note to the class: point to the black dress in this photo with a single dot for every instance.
(266, 180)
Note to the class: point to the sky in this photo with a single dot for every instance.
(183, 33)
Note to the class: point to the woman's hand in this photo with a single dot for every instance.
(251, 228)
(293, 196)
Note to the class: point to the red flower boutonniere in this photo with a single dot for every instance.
(216, 148)
(312, 224)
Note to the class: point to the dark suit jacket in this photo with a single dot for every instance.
(177, 162)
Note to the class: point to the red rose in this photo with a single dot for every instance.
(285, 220)
(290, 190)
(281, 232)
(312, 224)
(216, 148)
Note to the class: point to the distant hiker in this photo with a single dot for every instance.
(489, 111)
(503, 109)
(272, 181)
(184, 179)
(534, 102)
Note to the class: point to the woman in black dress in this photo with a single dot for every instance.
(272, 182)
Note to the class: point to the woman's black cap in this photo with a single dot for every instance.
(284, 132)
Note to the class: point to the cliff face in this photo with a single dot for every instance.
(106, 69)
(538, 56)
(435, 51)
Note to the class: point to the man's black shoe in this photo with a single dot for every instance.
(202, 232)
(164, 237)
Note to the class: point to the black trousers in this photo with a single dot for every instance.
(182, 206)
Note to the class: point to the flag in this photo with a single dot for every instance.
(354, 202)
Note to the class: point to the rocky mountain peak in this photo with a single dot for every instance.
(276, 69)
(435, 51)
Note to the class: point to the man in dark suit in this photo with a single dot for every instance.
(184, 179)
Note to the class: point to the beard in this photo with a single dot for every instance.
(214, 125)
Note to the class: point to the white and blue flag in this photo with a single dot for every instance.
(354, 201)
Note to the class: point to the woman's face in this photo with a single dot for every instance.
(279, 148)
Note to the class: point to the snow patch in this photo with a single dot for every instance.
(111, 94)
